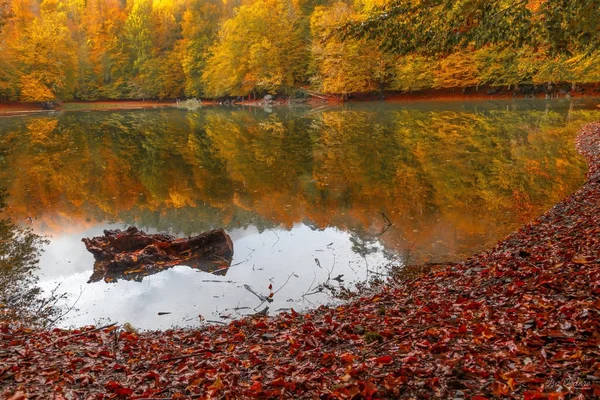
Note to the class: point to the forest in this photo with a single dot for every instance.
(167, 49)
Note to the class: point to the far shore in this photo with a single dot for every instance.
(457, 94)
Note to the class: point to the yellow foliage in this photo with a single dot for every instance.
(40, 129)
(412, 73)
(347, 66)
(258, 49)
(33, 91)
(459, 69)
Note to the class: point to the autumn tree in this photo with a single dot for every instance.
(199, 30)
(344, 67)
(45, 55)
(459, 69)
(103, 62)
(138, 44)
(440, 26)
(412, 72)
(17, 16)
(258, 50)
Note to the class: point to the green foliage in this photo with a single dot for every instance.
(21, 300)
(440, 26)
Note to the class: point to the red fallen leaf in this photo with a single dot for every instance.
(293, 312)
(348, 358)
(462, 329)
(369, 389)
(582, 259)
(123, 391)
(354, 390)
(530, 395)
(473, 305)
(327, 357)
(18, 396)
(239, 337)
(256, 386)
(119, 367)
(384, 360)
(225, 367)
(261, 325)
(110, 328)
(556, 396)
(278, 382)
(270, 286)
(271, 295)
(112, 385)
(500, 389)
(217, 384)
(346, 378)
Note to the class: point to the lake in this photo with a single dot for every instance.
(306, 194)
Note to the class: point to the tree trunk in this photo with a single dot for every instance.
(133, 254)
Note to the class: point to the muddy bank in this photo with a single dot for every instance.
(519, 321)
(451, 94)
(8, 109)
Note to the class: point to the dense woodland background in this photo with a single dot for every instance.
(139, 49)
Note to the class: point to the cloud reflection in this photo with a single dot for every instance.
(260, 259)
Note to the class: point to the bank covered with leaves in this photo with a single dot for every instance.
(521, 320)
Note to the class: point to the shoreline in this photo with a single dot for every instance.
(519, 320)
(456, 94)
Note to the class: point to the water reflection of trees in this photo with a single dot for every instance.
(21, 299)
(450, 181)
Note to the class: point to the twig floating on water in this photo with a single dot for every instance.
(288, 279)
(263, 312)
(260, 296)
(216, 322)
(387, 223)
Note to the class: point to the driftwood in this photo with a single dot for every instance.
(133, 254)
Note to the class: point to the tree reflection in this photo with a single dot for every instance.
(451, 182)
(21, 299)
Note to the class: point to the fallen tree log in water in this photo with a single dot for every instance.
(133, 254)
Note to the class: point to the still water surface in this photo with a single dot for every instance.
(305, 194)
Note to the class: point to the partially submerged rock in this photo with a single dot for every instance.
(133, 254)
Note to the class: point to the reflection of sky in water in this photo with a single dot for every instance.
(259, 259)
